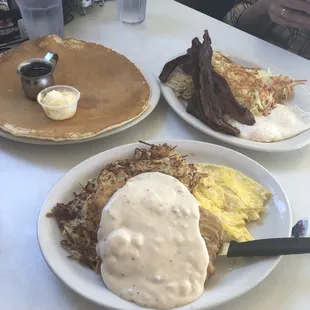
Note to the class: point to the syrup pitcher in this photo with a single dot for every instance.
(36, 74)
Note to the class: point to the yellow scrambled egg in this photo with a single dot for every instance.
(233, 197)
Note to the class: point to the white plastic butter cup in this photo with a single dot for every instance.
(59, 113)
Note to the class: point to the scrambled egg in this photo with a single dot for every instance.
(233, 197)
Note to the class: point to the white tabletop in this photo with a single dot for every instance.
(28, 172)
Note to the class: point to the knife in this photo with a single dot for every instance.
(266, 247)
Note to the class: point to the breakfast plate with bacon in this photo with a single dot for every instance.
(238, 100)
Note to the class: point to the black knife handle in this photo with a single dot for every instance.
(269, 247)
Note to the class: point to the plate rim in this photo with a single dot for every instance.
(152, 104)
(273, 264)
(271, 147)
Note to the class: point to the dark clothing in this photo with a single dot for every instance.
(294, 40)
(213, 8)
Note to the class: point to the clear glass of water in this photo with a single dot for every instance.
(131, 11)
(42, 17)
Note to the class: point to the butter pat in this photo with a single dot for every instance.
(59, 102)
(57, 99)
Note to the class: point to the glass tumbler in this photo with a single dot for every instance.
(42, 17)
(131, 11)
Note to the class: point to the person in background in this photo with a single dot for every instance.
(285, 23)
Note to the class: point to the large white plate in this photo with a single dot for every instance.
(301, 98)
(153, 101)
(222, 287)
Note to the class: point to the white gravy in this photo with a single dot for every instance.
(149, 241)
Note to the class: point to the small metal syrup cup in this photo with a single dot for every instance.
(36, 74)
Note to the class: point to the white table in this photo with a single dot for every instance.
(28, 172)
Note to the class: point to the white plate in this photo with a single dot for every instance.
(153, 101)
(301, 98)
(222, 287)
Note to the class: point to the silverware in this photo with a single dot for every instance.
(36, 74)
(301, 229)
(266, 247)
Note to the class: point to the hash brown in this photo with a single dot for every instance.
(254, 88)
(79, 219)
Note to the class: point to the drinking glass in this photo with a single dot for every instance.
(42, 17)
(131, 11)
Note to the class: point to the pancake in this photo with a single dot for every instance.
(113, 90)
